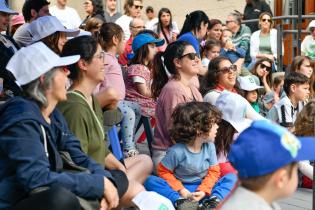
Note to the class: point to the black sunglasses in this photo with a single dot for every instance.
(138, 6)
(263, 66)
(191, 56)
(264, 20)
(229, 69)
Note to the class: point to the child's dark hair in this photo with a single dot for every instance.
(192, 119)
(224, 137)
(294, 78)
(193, 22)
(209, 45)
(85, 46)
(211, 78)
(258, 182)
(107, 32)
(160, 77)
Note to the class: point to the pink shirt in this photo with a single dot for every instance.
(113, 76)
(173, 93)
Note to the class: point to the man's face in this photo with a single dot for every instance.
(62, 2)
(230, 22)
(137, 26)
(135, 9)
(111, 4)
(44, 11)
(4, 21)
(150, 15)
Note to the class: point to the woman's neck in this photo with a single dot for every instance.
(265, 31)
(185, 79)
(46, 111)
(86, 87)
(112, 50)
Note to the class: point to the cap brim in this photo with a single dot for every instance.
(306, 152)
(9, 11)
(241, 125)
(159, 42)
(71, 32)
(67, 60)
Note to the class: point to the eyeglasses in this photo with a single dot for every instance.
(263, 66)
(229, 21)
(264, 20)
(138, 7)
(191, 56)
(101, 56)
(229, 69)
(138, 27)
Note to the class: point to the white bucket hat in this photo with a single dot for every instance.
(248, 83)
(29, 63)
(233, 108)
(4, 7)
(47, 25)
(311, 25)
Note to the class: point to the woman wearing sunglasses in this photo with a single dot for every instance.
(94, 9)
(263, 43)
(172, 72)
(262, 73)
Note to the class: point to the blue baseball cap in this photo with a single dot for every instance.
(143, 39)
(265, 147)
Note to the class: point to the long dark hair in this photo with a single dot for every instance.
(160, 77)
(254, 69)
(224, 137)
(193, 22)
(98, 8)
(85, 46)
(160, 28)
(211, 79)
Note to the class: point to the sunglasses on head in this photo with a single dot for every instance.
(263, 66)
(191, 56)
(229, 69)
(138, 6)
(264, 20)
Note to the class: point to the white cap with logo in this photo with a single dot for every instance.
(30, 62)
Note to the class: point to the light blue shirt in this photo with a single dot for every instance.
(189, 167)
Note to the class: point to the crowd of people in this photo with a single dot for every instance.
(225, 116)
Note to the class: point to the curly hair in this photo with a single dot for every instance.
(192, 119)
(304, 124)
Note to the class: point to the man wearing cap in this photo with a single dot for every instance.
(66, 15)
(32, 9)
(7, 48)
(266, 156)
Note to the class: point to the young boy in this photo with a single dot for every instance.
(265, 156)
(296, 86)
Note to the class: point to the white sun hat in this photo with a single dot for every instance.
(29, 63)
(47, 25)
(4, 7)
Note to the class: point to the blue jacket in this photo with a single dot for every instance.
(24, 165)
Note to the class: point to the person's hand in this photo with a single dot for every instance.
(174, 36)
(103, 204)
(185, 193)
(110, 194)
(197, 196)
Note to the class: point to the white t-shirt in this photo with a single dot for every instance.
(150, 23)
(22, 36)
(68, 16)
(124, 22)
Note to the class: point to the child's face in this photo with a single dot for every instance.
(278, 88)
(121, 45)
(212, 133)
(290, 181)
(301, 92)
(213, 53)
(252, 96)
(152, 51)
(226, 35)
